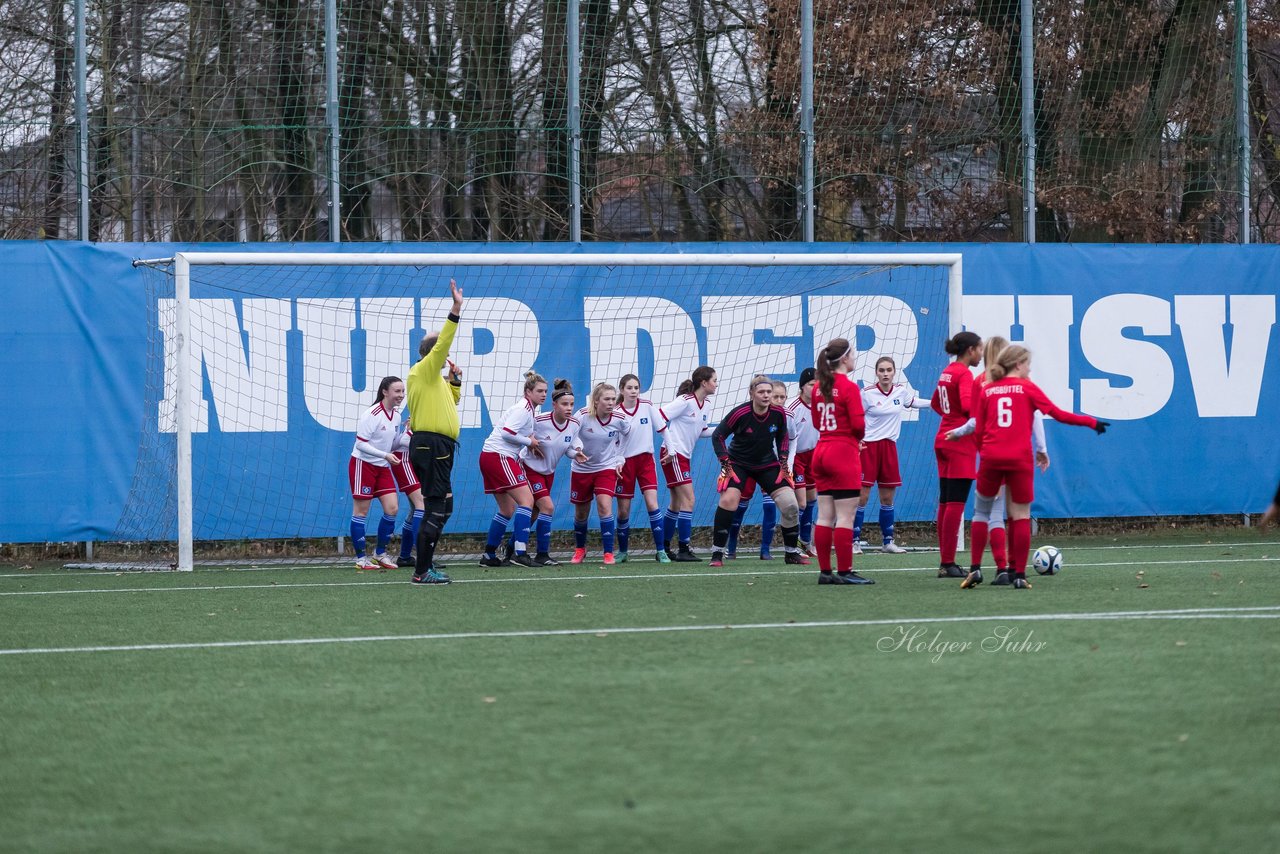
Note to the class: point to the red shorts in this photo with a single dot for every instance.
(748, 488)
(501, 474)
(406, 480)
(1019, 480)
(836, 466)
(880, 464)
(369, 481)
(803, 472)
(585, 486)
(637, 470)
(956, 459)
(540, 483)
(676, 469)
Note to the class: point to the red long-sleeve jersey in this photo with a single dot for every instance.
(1004, 412)
(842, 419)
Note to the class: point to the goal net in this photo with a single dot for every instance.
(260, 364)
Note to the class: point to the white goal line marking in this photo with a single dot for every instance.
(1268, 612)
(198, 588)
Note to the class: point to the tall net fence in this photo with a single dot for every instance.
(674, 120)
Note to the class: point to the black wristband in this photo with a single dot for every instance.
(454, 317)
(457, 383)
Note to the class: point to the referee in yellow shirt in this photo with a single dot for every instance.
(433, 419)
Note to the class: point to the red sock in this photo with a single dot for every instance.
(953, 515)
(978, 540)
(1000, 548)
(822, 545)
(844, 548)
(1019, 544)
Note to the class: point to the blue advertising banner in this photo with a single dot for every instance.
(1176, 345)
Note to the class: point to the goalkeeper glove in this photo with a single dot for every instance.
(1101, 426)
(788, 477)
(726, 478)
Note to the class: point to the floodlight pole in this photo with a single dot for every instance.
(331, 118)
(806, 122)
(573, 50)
(1242, 114)
(1028, 121)
(82, 124)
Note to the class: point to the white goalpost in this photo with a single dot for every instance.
(187, 265)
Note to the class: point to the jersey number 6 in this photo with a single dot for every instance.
(1004, 412)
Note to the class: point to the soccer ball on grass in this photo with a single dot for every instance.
(1047, 560)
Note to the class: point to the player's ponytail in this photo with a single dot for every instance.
(561, 387)
(531, 380)
(686, 387)
(1009, 358)
(991, 354)
(961, 342)
(387, 382)
(825, 367)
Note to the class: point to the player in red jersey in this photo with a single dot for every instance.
(837, 470)
(1004, 411)
(956, 464)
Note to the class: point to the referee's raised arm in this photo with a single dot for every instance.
(433, 412)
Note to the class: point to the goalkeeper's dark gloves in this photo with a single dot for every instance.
(1101, 426)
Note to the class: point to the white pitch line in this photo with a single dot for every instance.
(329, 563)
(1264, 612)
(197, 588)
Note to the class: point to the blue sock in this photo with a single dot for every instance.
(520, 528)
(497, 528)
(607, 528)
(886, 523)
(768, 523)
(357, 535)
(806, 522)
(857, 523)
(386, 527)
(544, 534)
(669, 527)
(684, 527)
(409, 533)
(624, 534)
(736, 528)
(580, 533)
(656, 525)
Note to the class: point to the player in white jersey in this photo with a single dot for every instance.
(555, 432)
(768, 509)
(885, 404)
(806, 440)
(638, 469)
(369, 472)
(598, 459)
(504, 476)
(685, 420)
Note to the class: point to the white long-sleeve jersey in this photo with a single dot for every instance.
(512, 432)
(643, 420)
(601, 441)
(684, 422)
(806, 438)
(885, 409)
(376, 434)
(555, 440)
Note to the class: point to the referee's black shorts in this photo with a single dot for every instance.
(431, 455)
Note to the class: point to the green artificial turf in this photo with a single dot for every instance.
(903, 723)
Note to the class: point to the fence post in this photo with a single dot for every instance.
(574, 51)
(1028, 120)
(1242, 114)
(806, 121)
(82, 125)
(331, 118)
